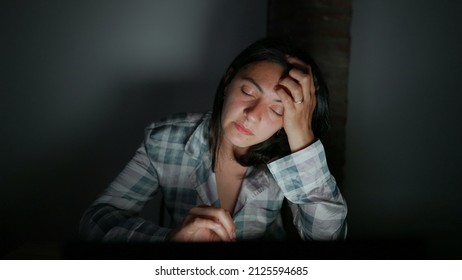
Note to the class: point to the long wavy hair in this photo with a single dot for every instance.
(271, 50)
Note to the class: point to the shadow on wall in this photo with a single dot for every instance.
(49, 189)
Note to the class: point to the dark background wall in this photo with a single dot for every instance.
(79, 82)
(403, 132)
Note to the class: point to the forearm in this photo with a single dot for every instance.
(107, 223)
(317, 205)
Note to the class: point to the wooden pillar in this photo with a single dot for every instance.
(322, 27)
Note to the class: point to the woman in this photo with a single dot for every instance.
(224, 175)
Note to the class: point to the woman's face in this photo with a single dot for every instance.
(252, 111)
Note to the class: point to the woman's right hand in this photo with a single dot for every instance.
(205, 223)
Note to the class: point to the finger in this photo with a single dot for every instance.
(294, 88)
(219, 214)
(298, 63)
(200, 223)
(286, 100)
(304, 78)
(304, 68)
(202, 229)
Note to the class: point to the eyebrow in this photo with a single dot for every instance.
(253, 82)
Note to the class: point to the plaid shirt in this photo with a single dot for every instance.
(174, 158)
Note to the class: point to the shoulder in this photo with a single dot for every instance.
(176, 127)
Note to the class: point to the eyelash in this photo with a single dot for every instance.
(276, 113)
(246, 93)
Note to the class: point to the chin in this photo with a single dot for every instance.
(241, 144)
(238, 142)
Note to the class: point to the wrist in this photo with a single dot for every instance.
(299, 143)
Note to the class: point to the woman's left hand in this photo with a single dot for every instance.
(297, 93)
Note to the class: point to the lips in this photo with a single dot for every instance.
(242, 129)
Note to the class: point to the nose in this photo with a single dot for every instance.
(254, 111)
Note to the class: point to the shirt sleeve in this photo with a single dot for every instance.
(114, 216)
(318, 208)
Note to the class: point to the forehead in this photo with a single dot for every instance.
(263, 70)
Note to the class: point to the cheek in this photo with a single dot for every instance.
(227, 107)
(232, 107)
(271, 126)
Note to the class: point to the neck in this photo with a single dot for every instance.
(229, 149)
(226, 160)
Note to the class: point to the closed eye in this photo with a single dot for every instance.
(278, 112)
(246, 91)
